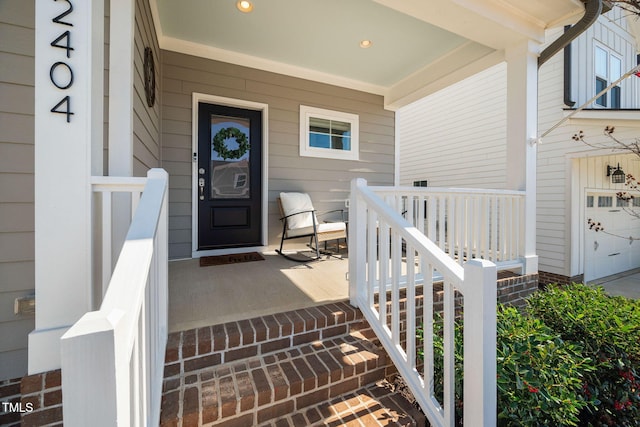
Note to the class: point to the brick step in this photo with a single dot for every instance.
(249, 372)
(252, 391)
(374, 405)
(199, 348)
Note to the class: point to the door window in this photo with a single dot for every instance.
(230, 154)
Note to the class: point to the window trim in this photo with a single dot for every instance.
(307, 112)
(607, 98)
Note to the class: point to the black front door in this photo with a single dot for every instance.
(229, 177)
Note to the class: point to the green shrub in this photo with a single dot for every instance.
(540, 377)
(608, 328)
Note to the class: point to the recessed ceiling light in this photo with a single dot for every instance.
(244, 6)
(365, 44)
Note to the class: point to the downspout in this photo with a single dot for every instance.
(567, 73)
(593, 8)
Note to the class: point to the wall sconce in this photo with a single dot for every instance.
(617, 175)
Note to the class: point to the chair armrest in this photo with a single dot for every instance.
(297, 213)
(332, 211)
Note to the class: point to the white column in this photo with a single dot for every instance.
(121, 48)
(68, 149)
(522, 128)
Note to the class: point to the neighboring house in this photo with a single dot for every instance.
(456, 138)
(94, 89)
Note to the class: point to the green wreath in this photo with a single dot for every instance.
(221, 148)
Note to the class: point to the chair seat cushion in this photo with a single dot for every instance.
(338, 229)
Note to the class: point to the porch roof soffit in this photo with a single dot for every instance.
(418, 47)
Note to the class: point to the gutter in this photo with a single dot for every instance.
(593, 8)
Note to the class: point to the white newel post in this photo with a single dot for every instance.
(121, 48)
(357, 241)
(480, 342)
(68, 149)
(90, 344)
(522, 130)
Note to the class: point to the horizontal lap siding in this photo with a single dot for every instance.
(456, 137)
(146, 120)
(326, 180)
(553, 192)
(17, 37)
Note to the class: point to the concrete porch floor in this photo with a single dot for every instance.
(203, 296)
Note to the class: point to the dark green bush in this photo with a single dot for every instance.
(540, 376)
(608, 328)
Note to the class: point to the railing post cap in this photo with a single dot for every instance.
(477, 262)
(157, 173)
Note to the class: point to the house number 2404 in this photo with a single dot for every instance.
(61, 73)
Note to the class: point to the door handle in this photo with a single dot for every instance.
(201, 185)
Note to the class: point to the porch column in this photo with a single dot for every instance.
(522, 128)
(69, 70)
(121, 48)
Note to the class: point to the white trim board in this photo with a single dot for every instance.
(217, 54)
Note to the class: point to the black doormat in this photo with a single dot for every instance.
(230, 259)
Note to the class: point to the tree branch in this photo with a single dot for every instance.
(631, 6)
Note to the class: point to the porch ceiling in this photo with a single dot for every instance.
(419, 46)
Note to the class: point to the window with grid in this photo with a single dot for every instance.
(328, 134)
(608, 69)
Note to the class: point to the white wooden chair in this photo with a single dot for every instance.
(299, 219)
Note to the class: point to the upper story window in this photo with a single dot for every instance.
(608, 68)
(328, 134)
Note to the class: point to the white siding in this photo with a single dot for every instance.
(559, 239)
(553, 195)
(612, 31)
(456, 138)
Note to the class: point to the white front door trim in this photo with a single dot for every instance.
(238, 103)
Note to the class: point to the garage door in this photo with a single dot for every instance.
(612, 250)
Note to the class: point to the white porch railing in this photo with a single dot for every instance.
(113, 358)
(465, 223)
(106, 188)
(386, 252)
